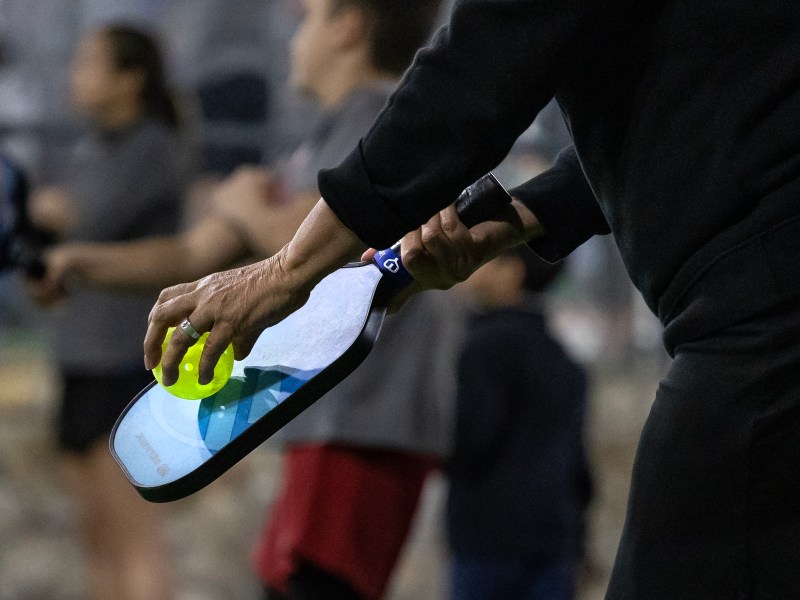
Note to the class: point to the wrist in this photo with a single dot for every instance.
(321, 245)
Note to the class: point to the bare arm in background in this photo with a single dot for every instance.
(145, 264)
(245, 219)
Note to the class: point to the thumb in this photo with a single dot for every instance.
(368, 255)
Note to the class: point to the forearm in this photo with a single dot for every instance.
(149, 263)
(321, 245)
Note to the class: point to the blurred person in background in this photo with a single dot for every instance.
(357, 460)
(519, 479)
(124, 182)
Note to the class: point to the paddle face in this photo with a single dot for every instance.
(170, 448)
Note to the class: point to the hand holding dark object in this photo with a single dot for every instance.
(58, 272)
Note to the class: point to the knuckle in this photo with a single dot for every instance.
(429, 235)
(412, 256)
(178, 344)
(448, 224)
(409, 243)
(157, 313)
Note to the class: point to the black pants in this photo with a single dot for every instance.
(311, 583)
(714, 508)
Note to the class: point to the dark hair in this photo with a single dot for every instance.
(539, 274)
(135, 49)
(397, 28)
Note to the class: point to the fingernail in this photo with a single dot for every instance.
(147, 364)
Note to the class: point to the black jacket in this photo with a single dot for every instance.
(519, 482)
(686, 120)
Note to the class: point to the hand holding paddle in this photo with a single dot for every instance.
(236, 306)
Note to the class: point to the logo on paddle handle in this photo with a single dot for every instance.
(392, 265)
(389, 262)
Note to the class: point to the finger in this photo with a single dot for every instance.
(430, 231)
(369, 255)
(160, 310)
(451, 224)
(217, 342)
(461, 241)
(243, 344)
(165, 314)
(453, 233)
(176, 349)
(411, 248)
(415, 258)
(436, 242)
(153, 339)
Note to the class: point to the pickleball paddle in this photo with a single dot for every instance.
(170, 448)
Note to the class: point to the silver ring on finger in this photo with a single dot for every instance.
(188, 330)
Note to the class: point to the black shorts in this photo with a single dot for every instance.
(90, 407)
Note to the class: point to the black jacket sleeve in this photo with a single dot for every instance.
(459, 110)
(565, 205)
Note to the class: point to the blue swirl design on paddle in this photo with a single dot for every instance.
(244, 400)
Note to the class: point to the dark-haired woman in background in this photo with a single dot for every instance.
(124, 181)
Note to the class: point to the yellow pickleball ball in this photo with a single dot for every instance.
(188, 387)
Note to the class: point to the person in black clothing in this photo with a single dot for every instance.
(519, 480)
(685, 118)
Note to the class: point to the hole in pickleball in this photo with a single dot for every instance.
(188, 367)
